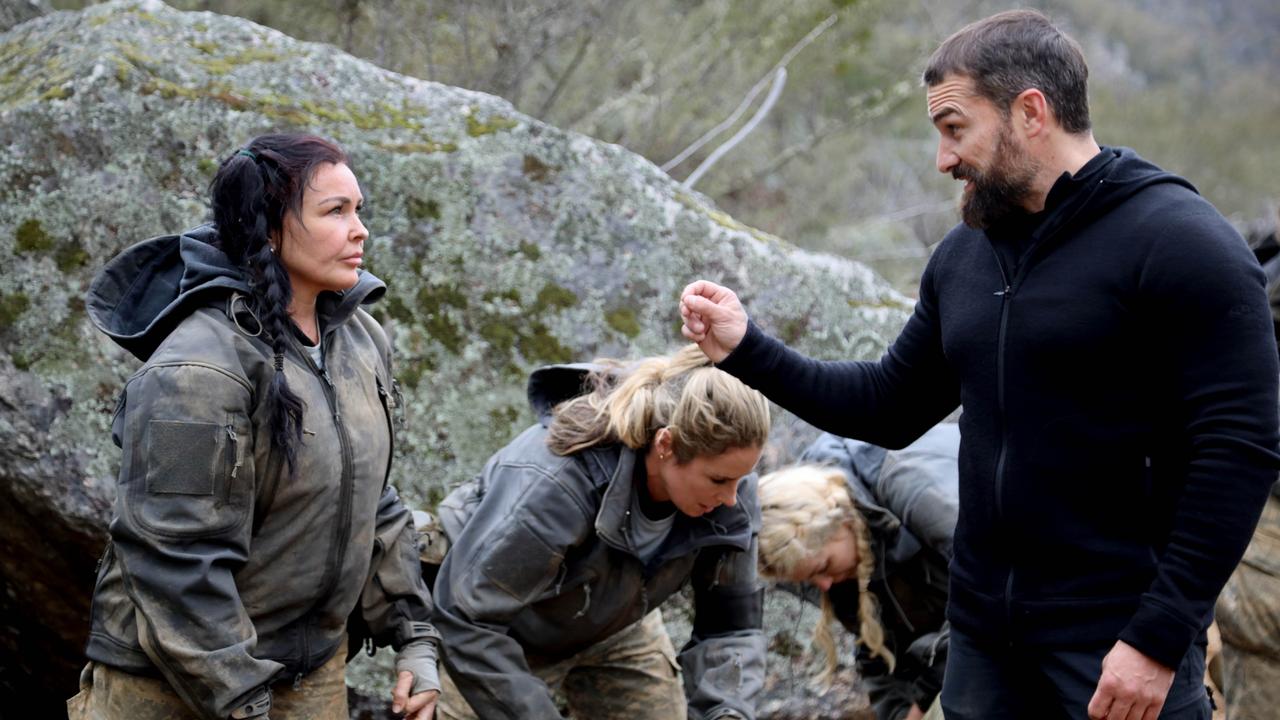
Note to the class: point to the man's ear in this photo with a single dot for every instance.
(1030, 113)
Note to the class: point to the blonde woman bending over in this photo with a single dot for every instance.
(572, 536)
(871, 529)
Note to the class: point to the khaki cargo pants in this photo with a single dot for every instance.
(1248, 613)
(630, 675)
(110, 694)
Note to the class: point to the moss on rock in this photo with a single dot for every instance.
(624, 321)
(553, 297)
(12, 306)
(492, 124)
(31, 238)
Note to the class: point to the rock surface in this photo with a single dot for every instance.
(15, 12)
(506, 244)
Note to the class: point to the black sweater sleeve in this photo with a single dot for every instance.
(889, 403)
(1206, 293)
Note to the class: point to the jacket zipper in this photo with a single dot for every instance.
(645, 574)
(387, 405)
(1006, 303)
(306, 654)
(1006, 295)
(342, 530)
(884, 581)
(233, 447)
(1006, 300)
(1149, 490)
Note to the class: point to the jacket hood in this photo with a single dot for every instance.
(860, 462)
(1112, 177)
(1127, 172)
(551, 385)
(146, 290)
(909, 497)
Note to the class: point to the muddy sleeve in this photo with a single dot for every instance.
(183, 507)
(396, 603)
(723, 663)
(890, 696)
(496, 567)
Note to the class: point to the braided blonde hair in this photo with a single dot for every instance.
(803, 507)
(706, 410)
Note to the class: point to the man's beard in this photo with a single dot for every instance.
(1000, 191)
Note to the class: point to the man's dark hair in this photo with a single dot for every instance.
(1012, 51)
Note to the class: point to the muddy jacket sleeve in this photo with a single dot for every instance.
(916, 678)
(889, 696)
(505, 559)
(396, 604)
(723, 663)
(183, 507)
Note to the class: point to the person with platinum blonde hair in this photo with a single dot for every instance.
(871, 530)
(636, 479)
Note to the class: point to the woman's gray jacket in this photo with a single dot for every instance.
(910, 499)
(541, 566)
(224, 574)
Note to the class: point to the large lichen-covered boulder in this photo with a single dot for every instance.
(506, 244)
(13, 12)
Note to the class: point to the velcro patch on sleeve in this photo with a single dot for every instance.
(183, 457)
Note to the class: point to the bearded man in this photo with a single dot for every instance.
(1107, 333)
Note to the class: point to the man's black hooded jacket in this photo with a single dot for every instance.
(1117, 369)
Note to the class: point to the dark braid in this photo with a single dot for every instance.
(250, 195)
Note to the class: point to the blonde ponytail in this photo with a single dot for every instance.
(706, 410)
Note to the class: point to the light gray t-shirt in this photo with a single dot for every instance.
(316, 355)
(646, 533)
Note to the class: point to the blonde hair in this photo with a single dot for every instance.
(706, 410)
(803, 507)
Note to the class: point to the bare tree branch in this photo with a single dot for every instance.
(649, 78)
(750, 96)
(780, 81)
(466, 46)
(906, 213)
(348, 14)
(822, 131)
(564, 76)
(426, 39)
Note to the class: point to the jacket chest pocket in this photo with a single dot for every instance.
(198, 476)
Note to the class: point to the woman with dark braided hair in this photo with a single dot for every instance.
(254, 527)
